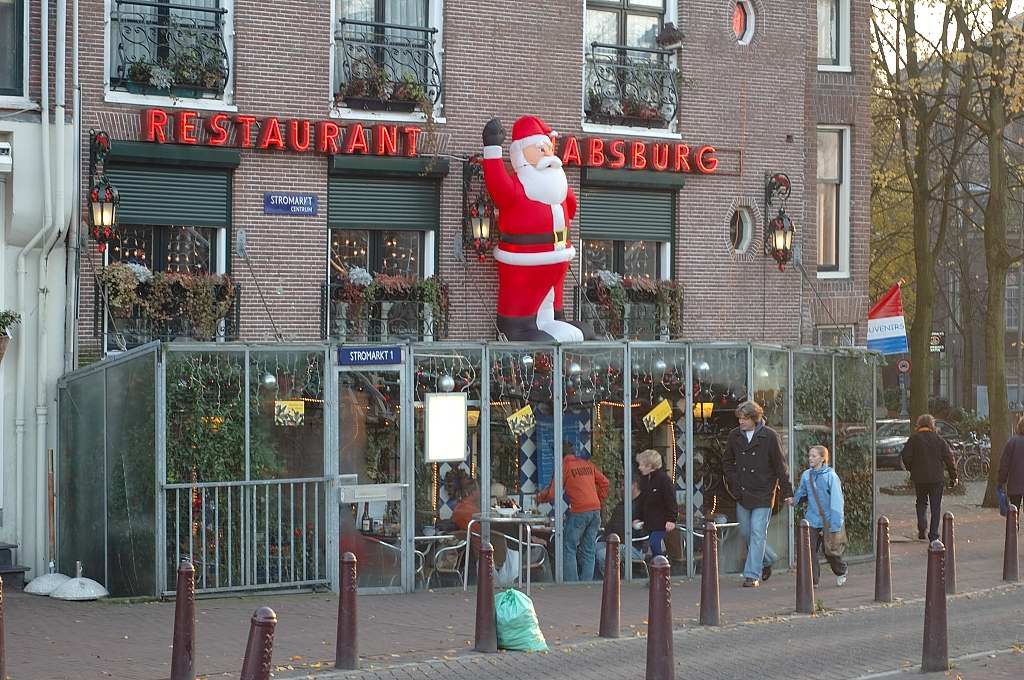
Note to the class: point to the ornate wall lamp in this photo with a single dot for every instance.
(478, 214)
(779, 230)
(103, 197)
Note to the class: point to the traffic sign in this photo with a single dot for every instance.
(903, 366)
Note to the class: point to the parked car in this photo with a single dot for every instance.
(891, 435)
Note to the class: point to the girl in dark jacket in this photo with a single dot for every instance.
(1011, 466)
(657, 500)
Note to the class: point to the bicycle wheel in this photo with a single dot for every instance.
(973, 467)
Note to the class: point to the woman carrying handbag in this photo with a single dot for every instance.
(821, 488)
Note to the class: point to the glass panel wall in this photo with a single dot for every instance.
(82, 476)
(771, 391)
(658, 415)
(719, 386)
(131, 485)
(447, 493)
(593, 419)
(523, 456)
(812, 412)
(852, 461)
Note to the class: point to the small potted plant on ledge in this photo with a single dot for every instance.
(8, 319)
(121, 283)
(367, 87)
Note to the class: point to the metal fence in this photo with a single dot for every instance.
(248, 535)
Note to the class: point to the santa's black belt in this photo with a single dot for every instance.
(535, 239)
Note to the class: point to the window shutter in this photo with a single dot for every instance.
(627, 215)
(165, 195)
(383, 203)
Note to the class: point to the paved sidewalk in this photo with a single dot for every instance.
(53, 640)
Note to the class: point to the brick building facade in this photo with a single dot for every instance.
(748, 79)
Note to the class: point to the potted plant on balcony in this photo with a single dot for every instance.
(208, 299)
(8, 319)
(409, 93)
(121, 281)
(212, 76)
(140, 75)
(367, 87)
(188, 73)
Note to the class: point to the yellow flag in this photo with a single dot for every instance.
(657, 415)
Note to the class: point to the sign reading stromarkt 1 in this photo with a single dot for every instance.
(369, 356)
(289, 203)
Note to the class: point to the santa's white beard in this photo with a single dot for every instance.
(547, 182)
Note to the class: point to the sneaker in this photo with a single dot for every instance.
(841, 580)
(751, 583)
(766, 573)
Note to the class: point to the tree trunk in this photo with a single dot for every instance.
(997, 258)
(921, 328)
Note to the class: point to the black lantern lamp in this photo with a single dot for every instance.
(478, 213)
(103, 196)
(780, 230)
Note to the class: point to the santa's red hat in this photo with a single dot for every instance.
(530, 130)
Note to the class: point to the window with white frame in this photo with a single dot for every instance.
(175, 48)
(833, 201)
(629, 79)
(743, 21)
(12, 54)
(833, 35)
(835, 336)
(386, 55)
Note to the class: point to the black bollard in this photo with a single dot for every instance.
(486, 636)
(260, 647)
(660, 661)
(346, 645)
(883, 562)
(1010, 572)
(610, 589)
(804, 574)
(935, 650)
(710, 604)
(183, 651)
(950, 565)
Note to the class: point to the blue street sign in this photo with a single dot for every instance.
(289, 203)
(369, 356)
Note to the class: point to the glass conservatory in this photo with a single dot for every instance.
(263, 463)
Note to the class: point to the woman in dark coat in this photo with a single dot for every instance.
(1011, 466)
(924, 455)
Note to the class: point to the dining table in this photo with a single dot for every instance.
(524, 521)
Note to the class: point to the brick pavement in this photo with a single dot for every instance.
(52, 640)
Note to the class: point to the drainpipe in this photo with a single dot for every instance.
(56, 230)
(19, 420)
(74, 240)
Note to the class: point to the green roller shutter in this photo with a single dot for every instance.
(627, 215)
(382, 203)
(170, 195)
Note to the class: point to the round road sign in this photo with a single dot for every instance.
(903, 366)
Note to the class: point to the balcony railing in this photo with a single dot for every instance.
(631, 314)
(386, 67)
(167, 48)
(344, 319)
(128, 328)
(632, 86)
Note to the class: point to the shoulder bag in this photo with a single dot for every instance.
(834, 543)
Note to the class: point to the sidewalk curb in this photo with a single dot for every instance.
(689, 626)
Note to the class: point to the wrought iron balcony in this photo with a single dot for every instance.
(133, 326)
(347, 316)
(626, 313)
(632, 86)
(175, 49)
(386, 67)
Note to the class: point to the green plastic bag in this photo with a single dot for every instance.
(518, 629)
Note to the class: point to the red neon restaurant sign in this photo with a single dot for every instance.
(330, 137)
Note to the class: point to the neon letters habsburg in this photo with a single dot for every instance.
(333, 137)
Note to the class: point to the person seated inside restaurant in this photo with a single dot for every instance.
(617, 525)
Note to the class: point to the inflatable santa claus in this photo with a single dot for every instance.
(535, 207)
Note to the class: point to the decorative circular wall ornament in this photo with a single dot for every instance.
(743, 236)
